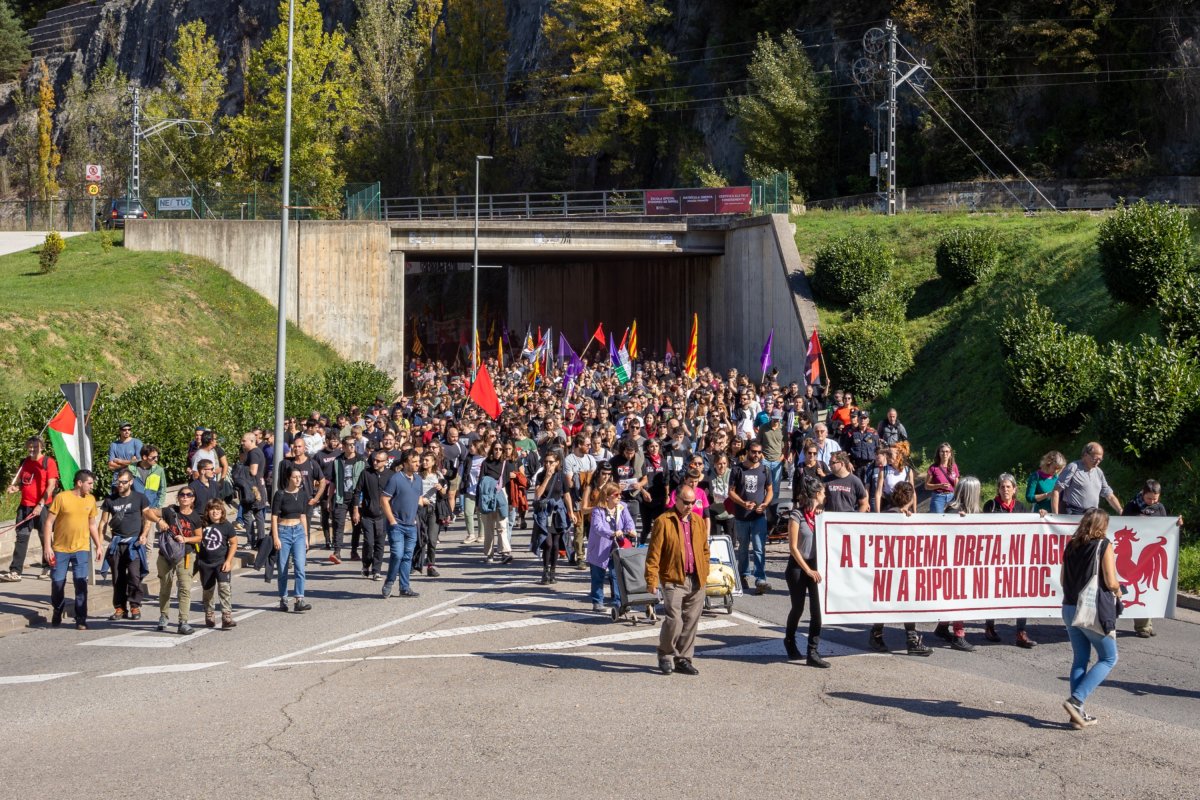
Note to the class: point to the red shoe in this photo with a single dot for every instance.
(333, 559)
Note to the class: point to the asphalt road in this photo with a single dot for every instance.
(489, 685)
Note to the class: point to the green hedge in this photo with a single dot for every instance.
(966, 257)
(1143, 248)
(851, 266)
(867, 355)
(1148, 390)
(166, 413)
(1179, 306)
(1051, 375)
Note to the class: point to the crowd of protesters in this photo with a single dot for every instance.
(584, 463)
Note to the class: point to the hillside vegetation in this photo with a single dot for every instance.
(119, 317)
(953, 391)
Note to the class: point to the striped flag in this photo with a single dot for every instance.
(65, 442)
(623, 369)
(633, 347)
(689, 363)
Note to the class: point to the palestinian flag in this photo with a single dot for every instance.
(64, 441)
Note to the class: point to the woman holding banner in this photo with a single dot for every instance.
(903, 496)
(1006, 502)
(966, 501)
(801, 575)
(1089, 555)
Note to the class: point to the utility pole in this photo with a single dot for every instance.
(135, 167)
(893, 72)
(281, 299)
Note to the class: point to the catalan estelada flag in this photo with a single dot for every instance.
(633, 348)
(689, 363)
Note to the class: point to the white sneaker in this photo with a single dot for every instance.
(10, 577)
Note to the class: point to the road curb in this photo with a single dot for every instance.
(1188, 601)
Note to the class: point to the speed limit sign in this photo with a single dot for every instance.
(93, 189)
(92, 173)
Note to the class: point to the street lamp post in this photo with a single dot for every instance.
(281, 301)
(475, 276)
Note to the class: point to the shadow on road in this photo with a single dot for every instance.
(570, 662)
(947, 709)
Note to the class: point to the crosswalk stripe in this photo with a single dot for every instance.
(644, 633)
(49, 676)
(162, 668)
(153, 640)
(446, 633)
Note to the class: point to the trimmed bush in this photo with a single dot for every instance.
(1144, 248)
(1179, 305)
(867, 355)
(886, 303)
(967, 257)
(165, 413)
(1051, 375)
(52, 248)
(1148, 389)
(851, 266)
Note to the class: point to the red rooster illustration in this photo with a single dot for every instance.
(1145, 573)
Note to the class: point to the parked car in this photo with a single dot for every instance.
(121, 210)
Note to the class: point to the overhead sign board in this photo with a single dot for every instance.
(687, 202)
(174, 204)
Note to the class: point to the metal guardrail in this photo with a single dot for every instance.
(605, 203)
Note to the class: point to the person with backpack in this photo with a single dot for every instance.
(36, 480)
(553, 514)
(214, 563)
(178, 534)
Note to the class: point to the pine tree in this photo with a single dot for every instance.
(47, 153)
(326, 109)
(14, 43)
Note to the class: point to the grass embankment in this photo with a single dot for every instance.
(119, 317)
(953, 392)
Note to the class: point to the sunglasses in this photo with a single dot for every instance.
(124, 483)
(185, 494)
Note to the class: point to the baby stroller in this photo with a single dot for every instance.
(631, 578)
(722, 577)
(778, 532)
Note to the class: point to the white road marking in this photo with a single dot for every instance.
(762, 623)
(49, 676)
(154, 640)
(497, 606)
(644, 633)
(161, 668)
(446, 633)
(382, 626)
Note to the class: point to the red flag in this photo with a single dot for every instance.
(624, 339)
(539, 339)
(599, 334)
(812, 359)
(483, 394)
(670, 351)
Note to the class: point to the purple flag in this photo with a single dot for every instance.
(766, 353)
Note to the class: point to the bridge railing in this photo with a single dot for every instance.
(600, 203)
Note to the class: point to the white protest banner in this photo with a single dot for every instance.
(933, 567)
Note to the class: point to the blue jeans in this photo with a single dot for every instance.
(403, 540)
(598, 575)
(1083, 680)
(292, 543)
(775, 469)
(938, 502)
(79, 564)
(752, 536)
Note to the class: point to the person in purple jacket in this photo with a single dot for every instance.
(612, 525)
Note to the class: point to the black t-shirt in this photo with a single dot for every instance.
(453, 456)
(183, 524)
(656, 482)
(326, 458)
(751, 484)
(310, 474)
(844, 494)
(289, 505)
(257, 456)
(204, 493)
(214, 542)
(126, 513)
(625, 474)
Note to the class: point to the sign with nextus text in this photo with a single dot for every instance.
(174, 204)
(934, 568)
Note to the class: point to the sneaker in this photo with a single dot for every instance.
(747, 582)
(918, 648)
(375, 576)
(81, 626)
(1142, 633)
(761, 587)
(599, 608)
(432, 571)
(387, 590)
(162, 623)
(300, 605)
(1024, 641)
(117, 615)
(333, 558)
(56, 617)
(354, 555)
(876, 643)
(135, 613)
(10, 577)
(990, 634)
(44, 575)
(185, 629)
(408, 593)
(1075, 711)
(366, 573)
(961, 644)
(507, 559)
(1089, 720)
(283, 604)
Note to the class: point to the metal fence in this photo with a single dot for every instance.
(771, 195)
(71, 214)
(362, 201)
(600, 203)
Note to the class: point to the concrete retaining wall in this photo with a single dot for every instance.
(333, 267)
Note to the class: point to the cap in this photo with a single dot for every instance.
(124, 425)
(762, 419)
(604, 465)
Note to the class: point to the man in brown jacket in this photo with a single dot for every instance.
(678, 561)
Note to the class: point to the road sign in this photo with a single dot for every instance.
(93, 173)
(174, 204)
(93, 189)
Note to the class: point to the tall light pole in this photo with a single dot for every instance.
(475, 276)
(281, 301)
